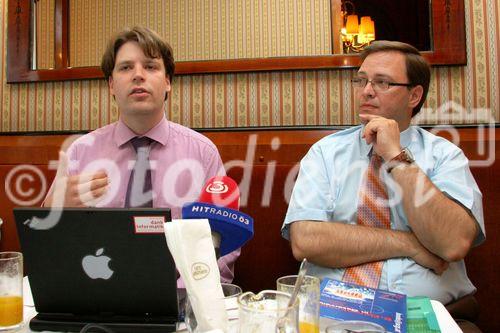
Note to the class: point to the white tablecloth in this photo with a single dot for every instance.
(446, 322)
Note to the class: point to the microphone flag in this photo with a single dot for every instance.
(219, 203)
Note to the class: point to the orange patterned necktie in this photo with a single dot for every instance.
(373, 211)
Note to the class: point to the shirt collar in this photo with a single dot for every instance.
(405, 139)
(158, 133)
(406, 136)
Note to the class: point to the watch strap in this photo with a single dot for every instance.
(401, 158)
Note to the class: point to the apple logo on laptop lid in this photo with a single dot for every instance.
(97, 267)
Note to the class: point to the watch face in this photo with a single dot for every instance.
(409, 155)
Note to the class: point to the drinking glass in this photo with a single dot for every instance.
(259, 313)
(11, 290)
(231, 293)
(309, 300)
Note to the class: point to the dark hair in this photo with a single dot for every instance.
(418, 70)
(150, 43)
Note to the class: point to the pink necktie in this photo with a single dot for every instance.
(373, 211)
(139, 189)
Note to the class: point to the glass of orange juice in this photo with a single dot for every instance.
(11, 290)
(309, 300)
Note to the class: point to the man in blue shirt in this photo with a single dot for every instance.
(434, 203)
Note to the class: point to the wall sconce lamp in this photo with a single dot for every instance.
(355, 35)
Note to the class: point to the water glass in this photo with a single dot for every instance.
(11, 290)
(309, 300)
(231, 293)
(259, 313)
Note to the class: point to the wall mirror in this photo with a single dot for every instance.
(64, 39)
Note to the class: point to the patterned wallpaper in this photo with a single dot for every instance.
(207, 29)
(45, 24)
(458, 94)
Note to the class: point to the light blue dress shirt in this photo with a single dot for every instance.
(327, 190)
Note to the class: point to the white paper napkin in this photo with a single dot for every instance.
(190, 243)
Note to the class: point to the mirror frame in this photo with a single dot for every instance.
(448, 37)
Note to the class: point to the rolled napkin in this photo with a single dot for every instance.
(191, 246)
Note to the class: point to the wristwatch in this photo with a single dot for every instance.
(404, 157)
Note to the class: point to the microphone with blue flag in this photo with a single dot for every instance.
(219, 202)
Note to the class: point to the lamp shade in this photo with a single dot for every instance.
(369, 26)
(365, 22)
(352, 26)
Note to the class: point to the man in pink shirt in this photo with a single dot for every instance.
(97, 167)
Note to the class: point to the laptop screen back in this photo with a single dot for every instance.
(99, 261)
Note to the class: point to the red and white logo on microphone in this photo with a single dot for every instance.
(221, 191)
(218, 186)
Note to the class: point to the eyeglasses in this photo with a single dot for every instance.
(377, 84)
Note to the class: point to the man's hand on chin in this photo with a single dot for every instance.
(383, 134)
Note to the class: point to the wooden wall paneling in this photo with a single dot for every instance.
(482, 261)
(252, 270)
(268, 256)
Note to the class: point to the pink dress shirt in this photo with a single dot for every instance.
(181, 160)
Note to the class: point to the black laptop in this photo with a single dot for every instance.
(109, 266)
